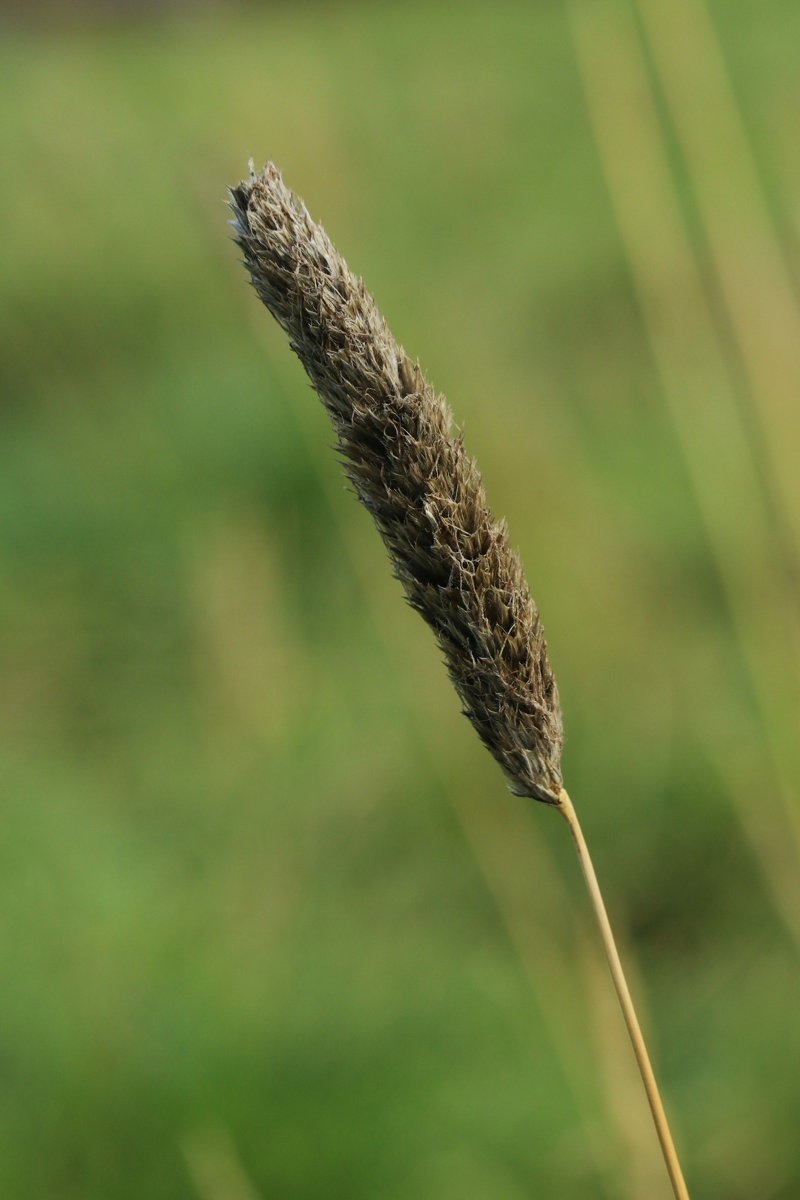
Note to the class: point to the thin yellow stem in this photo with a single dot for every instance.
(566, 809)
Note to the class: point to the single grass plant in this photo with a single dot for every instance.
(454, 559)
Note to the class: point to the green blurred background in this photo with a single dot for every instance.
(270, 925)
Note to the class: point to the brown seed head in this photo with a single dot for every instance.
(424, 493)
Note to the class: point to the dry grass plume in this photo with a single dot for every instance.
(413, 475)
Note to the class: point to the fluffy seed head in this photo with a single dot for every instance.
(412, 474)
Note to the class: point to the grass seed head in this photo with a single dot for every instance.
(413, 475)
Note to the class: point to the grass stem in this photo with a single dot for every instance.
(567, 810)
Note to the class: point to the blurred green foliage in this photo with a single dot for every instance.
(269, 924)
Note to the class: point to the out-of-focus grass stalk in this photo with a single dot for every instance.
(700, 395)
(215, 1167)
(747, 256)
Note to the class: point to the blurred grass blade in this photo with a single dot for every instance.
(215, 1167)
(747, 256)
(697, 387)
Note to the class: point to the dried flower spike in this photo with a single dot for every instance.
(413, 475)
(427, 499)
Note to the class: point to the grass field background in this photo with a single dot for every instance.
(270, 925)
